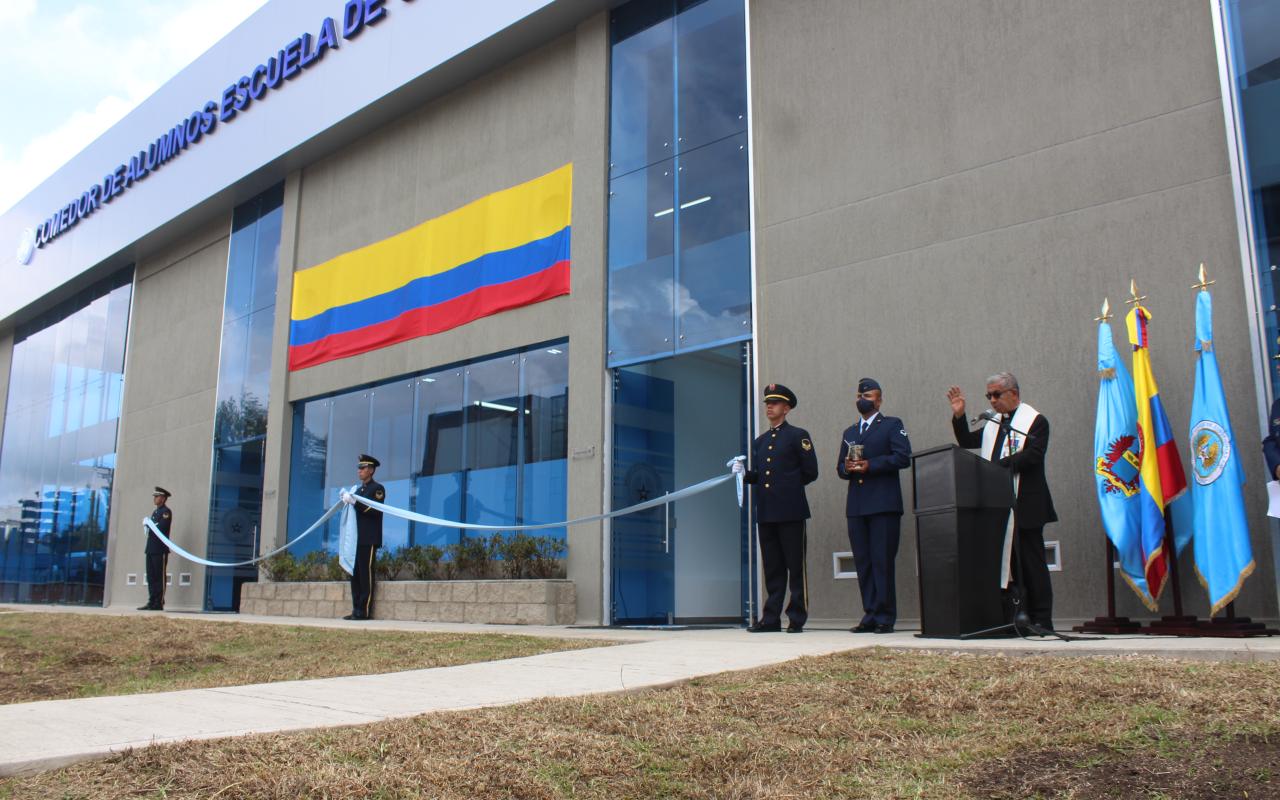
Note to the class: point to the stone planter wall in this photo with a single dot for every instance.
(516, 602)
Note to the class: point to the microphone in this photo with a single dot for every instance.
(985, 416)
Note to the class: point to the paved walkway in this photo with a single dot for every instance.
(55, 732)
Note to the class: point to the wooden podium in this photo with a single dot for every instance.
(962, 504)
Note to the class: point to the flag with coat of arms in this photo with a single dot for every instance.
(1116, 450)
(1223, 555)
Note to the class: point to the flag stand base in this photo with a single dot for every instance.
(1108, 625)
(1234, 627)
(1176, 625)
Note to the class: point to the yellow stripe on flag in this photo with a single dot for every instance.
(499, 221)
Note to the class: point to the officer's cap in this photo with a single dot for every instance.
(367, 460)
(776, 391)
(161, 492)
(868, 385)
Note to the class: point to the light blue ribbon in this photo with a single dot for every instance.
(688, 491)
(146, 521)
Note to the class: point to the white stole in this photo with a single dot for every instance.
(1023, 416)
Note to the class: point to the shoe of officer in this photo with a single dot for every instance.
(863, 627)
(760, 627)
(884, 629)
(147, 607)
(793, 628)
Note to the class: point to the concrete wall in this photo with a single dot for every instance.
(949, 188)
(546, 108)
(166, 426)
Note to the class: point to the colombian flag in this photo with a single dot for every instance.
(505, 250)
(1162, 479)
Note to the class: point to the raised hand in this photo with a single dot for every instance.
(956, 397)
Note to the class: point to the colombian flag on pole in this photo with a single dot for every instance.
(1161, 477)
(505, 250)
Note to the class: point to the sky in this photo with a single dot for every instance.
(74, 67)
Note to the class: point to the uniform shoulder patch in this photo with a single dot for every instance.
(165, 515)
(903, 431)
(806, 444)
(378, 495)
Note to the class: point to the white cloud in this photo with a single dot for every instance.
(121, 64)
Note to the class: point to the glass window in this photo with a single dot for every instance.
(711, 85)
(493, 420)
(642, 120)
(244, 376)
(642, 263)
(679, 227)
(57, 458)
(714, 303)
(439, 483)
(1253, 28)
(484, 442)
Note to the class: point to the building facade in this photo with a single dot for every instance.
(754, 191)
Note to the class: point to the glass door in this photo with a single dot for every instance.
(676, 421)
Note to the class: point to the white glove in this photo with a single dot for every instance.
(347, 497)
(738, 467)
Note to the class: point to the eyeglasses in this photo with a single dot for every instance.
(996, 395)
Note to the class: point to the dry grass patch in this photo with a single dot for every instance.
(51, 656)
(871, 724)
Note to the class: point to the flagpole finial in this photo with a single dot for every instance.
(1134, 297)
(1106, 312)
(1203, 284)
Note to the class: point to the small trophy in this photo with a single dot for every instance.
(852, 452)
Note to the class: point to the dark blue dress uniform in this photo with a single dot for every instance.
(785, 463)
(873, 510)
(368, 540)
(158, 554)
(1271, 444)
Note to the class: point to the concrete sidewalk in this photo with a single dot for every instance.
(51, 733)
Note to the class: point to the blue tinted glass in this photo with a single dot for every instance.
(306, 474)
(714, 264)
(1253, 27)
(641, 263)
(391, 442)
(642, 118)
(244, 376)
(450, 443)
(711, 58)
(438, 454)
(57, 457)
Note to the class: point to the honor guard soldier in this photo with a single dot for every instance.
(158, 552)
(784, 463)
(368, 537)
(872, 452)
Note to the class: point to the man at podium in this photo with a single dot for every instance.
(1016, 436)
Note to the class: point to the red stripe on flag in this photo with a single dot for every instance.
(1157, 568)
(1173, 481)
(482, 302)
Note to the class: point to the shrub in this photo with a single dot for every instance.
(318, 565)
(471, 556)
(388, 564)
(423, 561)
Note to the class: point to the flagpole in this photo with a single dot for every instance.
(1110, 623)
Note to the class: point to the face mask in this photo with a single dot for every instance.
(865, 406)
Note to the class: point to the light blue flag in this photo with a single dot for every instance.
(1116, 449)
(1223, 555)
